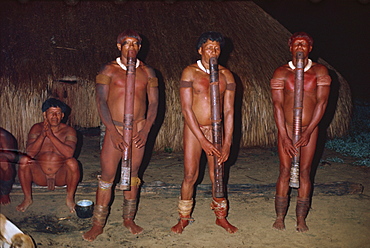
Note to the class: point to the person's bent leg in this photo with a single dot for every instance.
(25, 179)
(5, 188)
(6, 180)
(72, 178)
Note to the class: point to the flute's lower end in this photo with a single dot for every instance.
(294, 185)
(219, 195)
(123, 187)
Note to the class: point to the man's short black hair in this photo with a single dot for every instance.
(53, 102)
(212, 36)
(303, 35)
(128, 33)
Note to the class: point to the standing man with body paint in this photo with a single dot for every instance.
(110, 96)
(316, 91)
(196, 109)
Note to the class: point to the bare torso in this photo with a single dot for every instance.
(49, 157)
(117, 91)
(309, 96)
(201, 94)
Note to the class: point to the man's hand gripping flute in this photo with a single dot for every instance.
(128, 122)
(216, 125)
(297, 119)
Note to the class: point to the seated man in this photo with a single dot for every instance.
(49, 161)
(8, 157)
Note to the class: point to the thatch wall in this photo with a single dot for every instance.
(45, 41)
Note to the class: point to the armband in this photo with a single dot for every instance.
(71, 138)
(231, 86)
(277, 84)
(135, 181)
(33, 136)
(104, 185)
(186, 84)
(153, 82)
(103, 79)
(324, 80)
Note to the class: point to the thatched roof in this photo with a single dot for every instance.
(45, 41)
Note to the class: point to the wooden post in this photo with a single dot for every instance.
(125, 183)
(216, 125)
(297, 119)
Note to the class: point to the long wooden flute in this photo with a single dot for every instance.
(125, 183)
(297, 119)
(216, 126)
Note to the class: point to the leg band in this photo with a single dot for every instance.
(104, 185)
(100, 215)
(281, 205)
(220, 208)
(6, 187)
(303, 206)
(135, 181)
(129, 209)
(184, 208)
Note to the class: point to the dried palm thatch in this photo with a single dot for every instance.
(48, 40)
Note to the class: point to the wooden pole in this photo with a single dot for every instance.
(128, 121)
(297, 119)
(216, 125)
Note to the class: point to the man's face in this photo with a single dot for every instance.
(129, 43)
(210, 49)
(53, 115)
(300, 45)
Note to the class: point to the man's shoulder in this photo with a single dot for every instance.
(193, 66)
(108, 68)
(37, 127)
(282, 70)
(67, 127)
(223, 69)
(319, 67)
(147, 69)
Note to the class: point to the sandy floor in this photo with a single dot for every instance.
(334, 221)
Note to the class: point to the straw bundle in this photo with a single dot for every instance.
(41, 48)
(19, 111)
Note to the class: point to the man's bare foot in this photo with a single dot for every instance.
(279, 224)
(226, 225)
(4, 199)
(301, 225)
(132, 227)
(71, 205)
(180, 226)
(94, 232)
(24, 205)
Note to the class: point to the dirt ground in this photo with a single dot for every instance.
(335, 220)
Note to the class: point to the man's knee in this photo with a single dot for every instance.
(72, 167)
(24, 162)
(305, 173)
(72, 164)
(5, 166)
(284, 171)
(190, 178)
